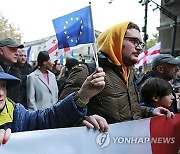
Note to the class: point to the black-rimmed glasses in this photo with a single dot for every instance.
(135, 41)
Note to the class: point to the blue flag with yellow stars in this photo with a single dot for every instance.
(74, 28)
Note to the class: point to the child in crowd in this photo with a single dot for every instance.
(156, 92)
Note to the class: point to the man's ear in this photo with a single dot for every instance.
(160, 68)
(1, 51)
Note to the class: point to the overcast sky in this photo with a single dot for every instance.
(34, 17)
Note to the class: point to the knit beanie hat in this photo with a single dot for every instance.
(71, 63)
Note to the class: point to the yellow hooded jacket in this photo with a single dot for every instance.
(110, 42)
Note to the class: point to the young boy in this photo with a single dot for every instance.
(156, 92)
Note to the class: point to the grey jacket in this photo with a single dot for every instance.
(40, 94)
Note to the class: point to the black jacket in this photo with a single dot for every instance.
(24, 71)
(14, 93)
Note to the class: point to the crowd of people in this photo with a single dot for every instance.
(55, 96)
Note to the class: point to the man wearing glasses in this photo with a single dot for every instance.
(119, 47)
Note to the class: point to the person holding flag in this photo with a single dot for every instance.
(119, 47)
(65, 113)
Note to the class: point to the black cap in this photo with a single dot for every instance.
(9, 42)
(71, 63)
(164, 58)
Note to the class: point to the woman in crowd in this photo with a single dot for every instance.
(56, 68)
(42, 89)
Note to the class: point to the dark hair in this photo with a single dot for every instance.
(70, 63)
(55, 63)
(154, 87)
(42, 57)
(133, 26)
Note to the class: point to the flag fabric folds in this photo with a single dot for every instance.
(74, 28)
(61, 59)
(28, 53)
(52, 47)
(165, 134)
(147, 56)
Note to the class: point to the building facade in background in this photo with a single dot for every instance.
(40, 45)
(167, 26)
(165, 34)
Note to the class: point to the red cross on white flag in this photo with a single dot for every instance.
(52, 47)
(54, 41)
(147, 56)
(56, 54)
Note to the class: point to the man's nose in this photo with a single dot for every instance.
(17, 53)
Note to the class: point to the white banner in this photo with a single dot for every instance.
(123, 138)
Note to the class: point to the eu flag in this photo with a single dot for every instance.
(74, 28)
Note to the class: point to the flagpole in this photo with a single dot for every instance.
(94, 45)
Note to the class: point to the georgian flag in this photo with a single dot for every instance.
(147, 56)
(52, 47)
(157, 135)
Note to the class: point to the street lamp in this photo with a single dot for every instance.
(165, 12)
(110, 1)
(144, 29)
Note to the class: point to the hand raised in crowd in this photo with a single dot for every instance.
(159, 111)
(96, 122)
(4, 135)
(92, 85)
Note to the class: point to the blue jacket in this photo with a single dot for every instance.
(65, 113)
